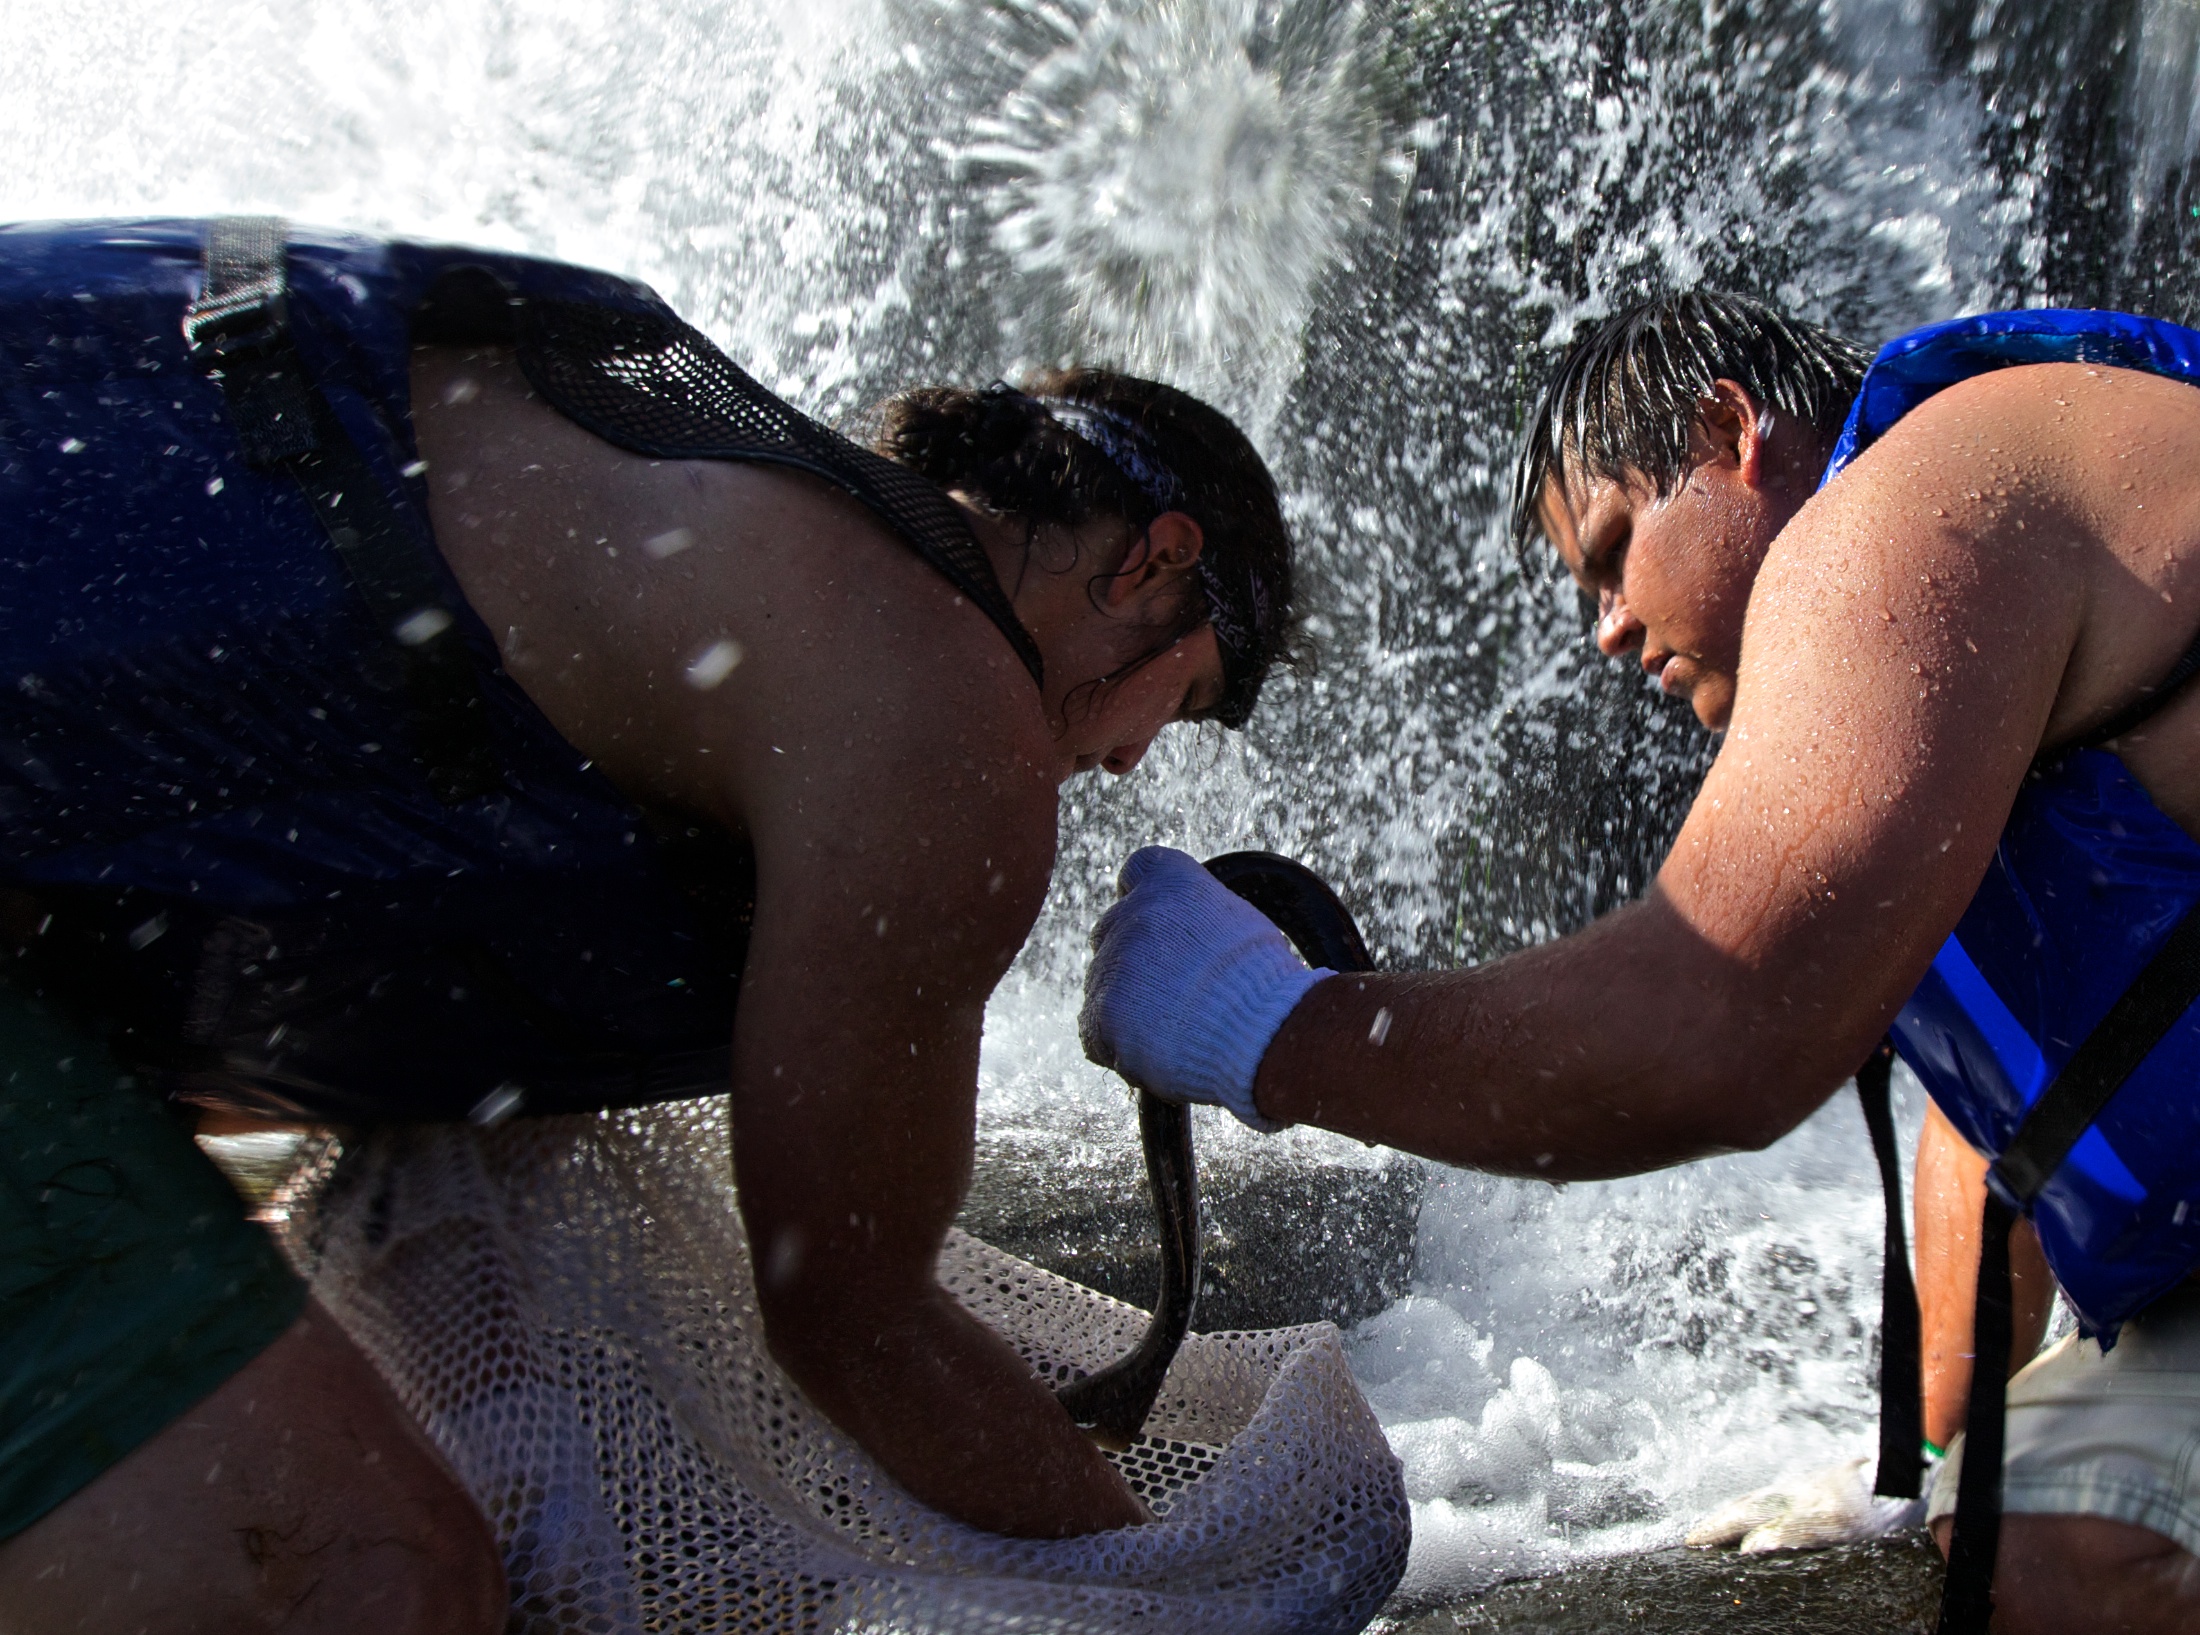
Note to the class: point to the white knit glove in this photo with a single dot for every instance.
(1188, 985)
(1808, 1511)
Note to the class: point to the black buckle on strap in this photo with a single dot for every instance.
(2155, 1002)
(236, 324)
(244, 302)
(238, 329)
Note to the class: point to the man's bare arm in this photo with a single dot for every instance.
(887, 910)
(881, 746)
(1905, 656)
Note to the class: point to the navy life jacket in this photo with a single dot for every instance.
(230, 823)
(2059, 1026)
(2088, 882)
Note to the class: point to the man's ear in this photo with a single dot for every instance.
(1165, 549)
(1731, 426)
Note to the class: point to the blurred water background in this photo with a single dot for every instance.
(1364, 227)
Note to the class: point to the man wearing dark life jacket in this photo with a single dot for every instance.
(1942, 613)
(437, 684)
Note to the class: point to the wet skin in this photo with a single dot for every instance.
(896, 770)
(299, 1497)
(1664, 575)
(2003, 571)
(1951, 1192)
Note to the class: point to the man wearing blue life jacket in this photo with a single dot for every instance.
(439, 685)
(1943, 612)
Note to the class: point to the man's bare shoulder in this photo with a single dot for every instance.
(2088, 472)
(2065, 432)
(690, 624)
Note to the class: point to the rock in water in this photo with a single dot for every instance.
(1891, 1586)
(1299, 1228)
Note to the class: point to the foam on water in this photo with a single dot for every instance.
(1362, 225)
(1582, 1370)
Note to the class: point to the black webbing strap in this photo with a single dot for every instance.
(1967, 1600)
(2134, 1025)
(239, 333)
(2161, 993)
(1901, 1400)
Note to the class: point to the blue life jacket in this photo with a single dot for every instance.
(218, 825)
(2088, 881)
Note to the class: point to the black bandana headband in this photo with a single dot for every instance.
(1125, 445)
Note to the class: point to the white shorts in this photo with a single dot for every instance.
(2115, 1436)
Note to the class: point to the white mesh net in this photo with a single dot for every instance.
(566, 1304)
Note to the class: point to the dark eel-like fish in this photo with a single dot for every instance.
(1114, 1402)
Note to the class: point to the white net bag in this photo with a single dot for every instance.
(566, 1304)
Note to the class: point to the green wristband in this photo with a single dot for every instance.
(1930, 1451)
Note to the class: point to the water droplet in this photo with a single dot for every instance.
(497, 1106)
(713, 664)
(422, 626)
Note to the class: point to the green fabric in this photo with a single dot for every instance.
(132, 1282)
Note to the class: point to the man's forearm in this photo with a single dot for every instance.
(954, 1416)
(1625, 1047)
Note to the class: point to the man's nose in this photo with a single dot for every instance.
(1124, 757)
(1618, 630)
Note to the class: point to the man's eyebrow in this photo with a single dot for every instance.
(1556, 508)
(1598, 543)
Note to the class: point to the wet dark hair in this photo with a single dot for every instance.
(1075, 444)
(1626, 395)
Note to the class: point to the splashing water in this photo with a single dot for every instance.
(1177, 178)
(1362, 225)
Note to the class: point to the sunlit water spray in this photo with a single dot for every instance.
(1362, 227)
(1175, 179)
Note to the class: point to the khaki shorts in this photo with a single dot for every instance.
(2115, 1436)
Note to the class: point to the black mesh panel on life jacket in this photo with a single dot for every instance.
(656, 386)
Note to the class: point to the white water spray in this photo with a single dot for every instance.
(1178, 177)
(1349, 225)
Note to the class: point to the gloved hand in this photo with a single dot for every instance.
(1188, 984)
(1809, 1511)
